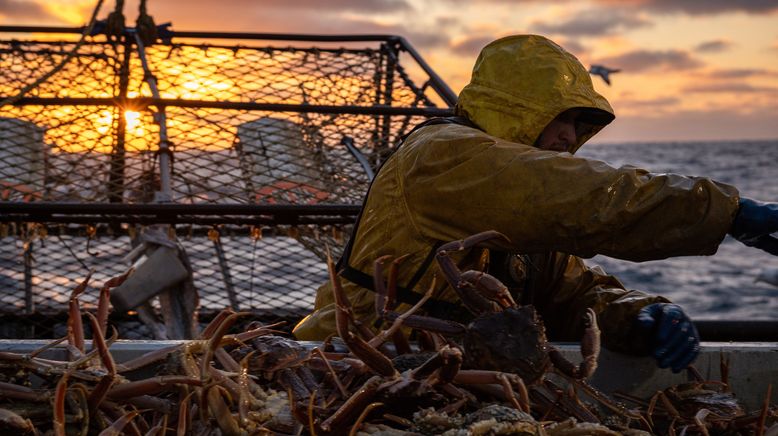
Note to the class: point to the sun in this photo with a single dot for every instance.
(134, 123)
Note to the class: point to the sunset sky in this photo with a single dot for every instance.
(691, 70)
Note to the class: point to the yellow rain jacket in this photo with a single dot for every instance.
(450, 181)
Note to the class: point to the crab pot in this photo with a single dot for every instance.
(227, 148)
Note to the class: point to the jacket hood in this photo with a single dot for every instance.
(521, 83)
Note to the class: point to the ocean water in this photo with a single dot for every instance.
(721, 286)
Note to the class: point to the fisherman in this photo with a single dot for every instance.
(506, 162)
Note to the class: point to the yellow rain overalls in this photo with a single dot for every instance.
(449, 181)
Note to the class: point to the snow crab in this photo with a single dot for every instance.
(504, 336)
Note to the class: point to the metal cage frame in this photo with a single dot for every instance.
(113, 215)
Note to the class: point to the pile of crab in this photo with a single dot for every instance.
(496, 375)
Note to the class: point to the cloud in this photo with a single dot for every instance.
(471, 46)
(702, 7)
(700, 125)
(741, 73)
(659, 102)
(427, 39)
(572, 45)
(24, 10)
(293, 16)
(715, 46)
(593, 22)
(447, 22)
(335, 5)
(738, 88)
(647, 60)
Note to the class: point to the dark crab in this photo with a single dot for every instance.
(504, 336)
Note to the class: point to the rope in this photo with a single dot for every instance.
(114, 24)
(144, 25)
(63, 62)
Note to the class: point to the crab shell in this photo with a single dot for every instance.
(512, 340)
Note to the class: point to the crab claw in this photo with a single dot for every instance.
(478, 290)
(590, 351)
(590, 345)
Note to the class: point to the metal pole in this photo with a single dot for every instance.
(225, 267)
(386, 121)
(116, 176)
(143, 102)
(437, 83)
(176, 304)
(217, 35)
(375, 133)
(29, 301)
(165, 194)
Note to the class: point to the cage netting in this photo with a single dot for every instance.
(203, 124)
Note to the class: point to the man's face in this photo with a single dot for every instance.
(559, 134)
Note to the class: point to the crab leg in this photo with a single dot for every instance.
(160, 428)
(590, 350)
(59, 405)
(230, 364)
(723, 370)
(244, 394)
(16, 392)
(479, 291)
(146, 359)
(382, 302)
(331, 371)
(355, 428)
(352, 406)
(763, 413)
(614, 406)
(150, 386)
(184, 417)
(372, 357)
(442, 326)
(75, 325)
(103, 304)
(100, 391)
(117, 427)
(217, 320)
(47, 347)
(386, 295)
(447, 362)
(221, 412)
(215, 341)
(507, 381)
(400, 341)
(381, 295)
(699, 421)
(223, 380)
(399, 320)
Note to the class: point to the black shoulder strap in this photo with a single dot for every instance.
(405, 294)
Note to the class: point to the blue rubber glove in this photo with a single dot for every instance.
(754, 223)
(672, 338)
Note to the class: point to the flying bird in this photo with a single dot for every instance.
(603, 72)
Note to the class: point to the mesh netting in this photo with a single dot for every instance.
(242, 125)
